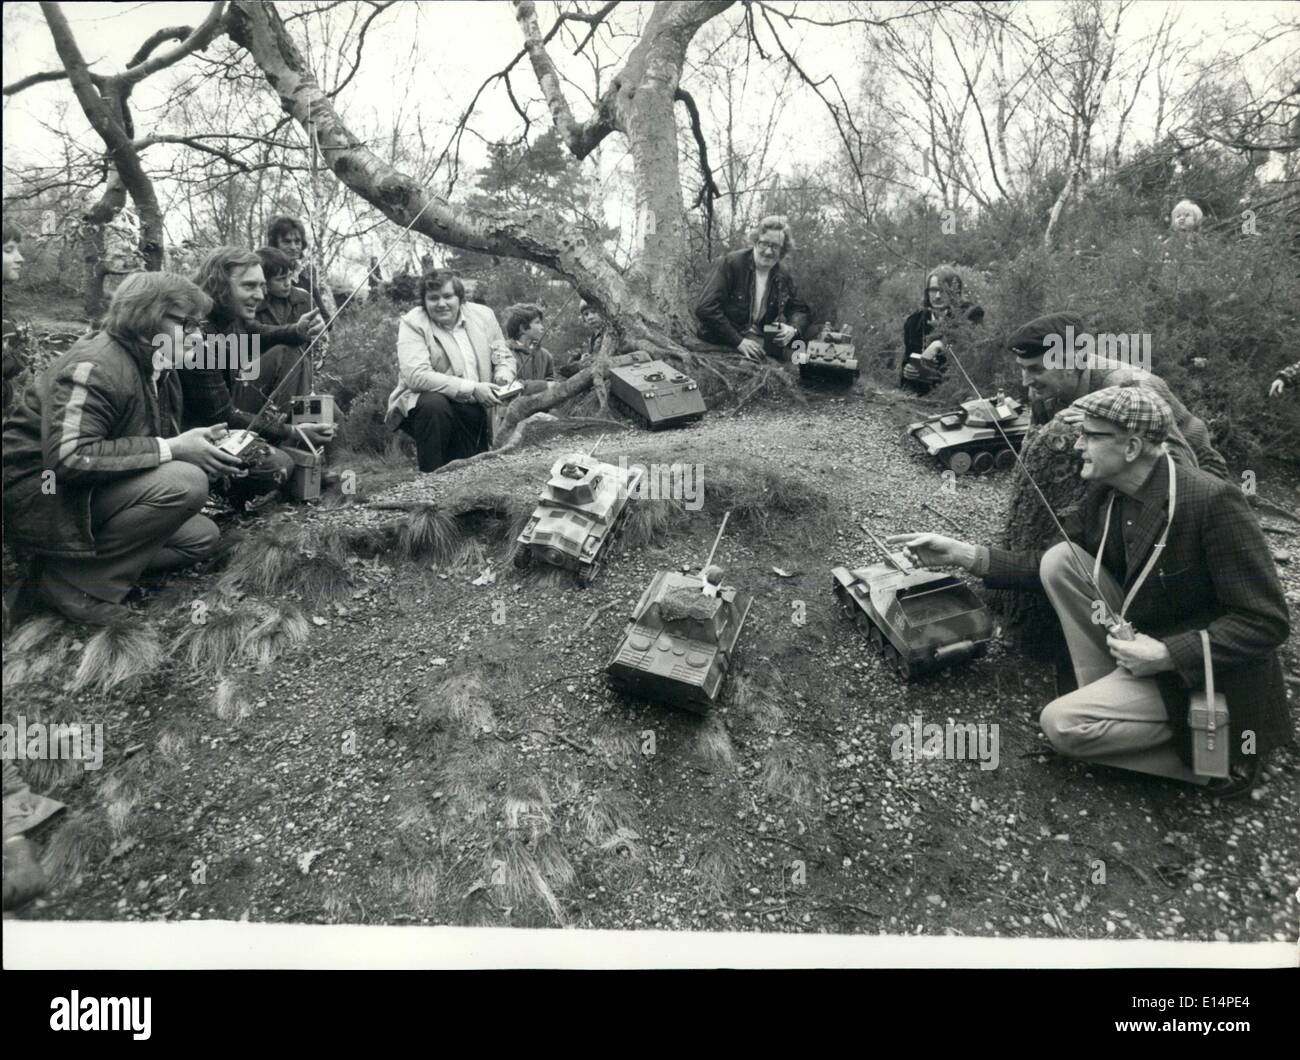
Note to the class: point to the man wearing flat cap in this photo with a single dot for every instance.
(1061, 360)
(1172, 551)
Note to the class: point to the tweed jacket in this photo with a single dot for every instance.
(1216, 573)
(424, 363)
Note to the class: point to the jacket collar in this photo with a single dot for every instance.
(1155, 507)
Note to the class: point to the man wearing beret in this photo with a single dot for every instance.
(1038, 346)
(1203, 566)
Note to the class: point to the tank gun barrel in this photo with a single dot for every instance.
(875, 540)
(716, 541)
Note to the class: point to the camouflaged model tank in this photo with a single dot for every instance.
(978, 436)
(681, 641)
(654, 392)
(579, 513)
(920, 620)
(832, 357)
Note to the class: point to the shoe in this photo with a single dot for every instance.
(77, 606)
(1240, 781)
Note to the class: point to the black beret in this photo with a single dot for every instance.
(1030, 340)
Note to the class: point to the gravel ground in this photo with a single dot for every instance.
(442, 751)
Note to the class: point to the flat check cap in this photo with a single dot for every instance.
(1132, 407)
(1030, 341)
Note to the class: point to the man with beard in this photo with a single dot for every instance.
(926, 331)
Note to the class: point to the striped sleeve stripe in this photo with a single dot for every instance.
(70, 436)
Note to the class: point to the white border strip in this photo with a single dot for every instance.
(224, 944)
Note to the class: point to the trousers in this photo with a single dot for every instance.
(1113, 718)
(446, 430)
(145, 523)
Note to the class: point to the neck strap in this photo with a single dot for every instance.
(1156, 549)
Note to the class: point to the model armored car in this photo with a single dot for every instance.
(656, 393)
(681, 641)
(579, 513)
(977, 436)
(920, 620)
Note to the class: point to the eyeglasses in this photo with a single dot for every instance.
(768, 244)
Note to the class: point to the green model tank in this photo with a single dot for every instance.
(832, 357)
(655, 393)
(920, 620)
(681, 641)
(977, 436)
(579, 513)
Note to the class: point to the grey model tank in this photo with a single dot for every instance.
(654, 392)
(977, 436)
(681, 641)
(578, 515)
(920, 620)
(832, 357)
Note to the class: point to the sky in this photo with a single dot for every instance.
(455, 45)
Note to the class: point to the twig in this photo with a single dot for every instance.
(597, 613)
(775, 839)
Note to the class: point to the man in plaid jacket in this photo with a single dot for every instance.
(1214, 572)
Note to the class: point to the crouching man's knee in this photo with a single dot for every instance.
(1057, 565)
(186, 482)
(1060, 727)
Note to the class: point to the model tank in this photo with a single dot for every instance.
(682, 638)
(656, 394)
(831, 357)
(978, 436)
(920, 620)
(580, 511)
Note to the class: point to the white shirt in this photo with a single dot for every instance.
(469, 359)
(760, 295)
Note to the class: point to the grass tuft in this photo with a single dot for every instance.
(77, 845)
(620, 746)
(518, 880)
(282, 628)
(713, 743)
(791, 773)
(612, 812)
(118, 656)
(39, 648)
(647, 521)
(428, 534)
(290, 562)
(233, 699)
(528, 806)
(717, 866)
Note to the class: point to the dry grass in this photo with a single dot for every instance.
(428, 534)
(458, 705)
(753, 491)
(619, 745)
(553, 861)
(233, 699)
(210, 646)
(713, 743)
(528, 806)
(78, 844)
(289, 561)
(611, 815)
(518, 880)
(791, 773)
(119, 656)
(284, 627)
(717, 867)
(466, 776)
(420, 886)
(647, 521)
(753, 700)
(121, 793)
(40, 648)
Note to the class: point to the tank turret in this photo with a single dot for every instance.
(977, 436)
(656, 394)
(681, 641)
(578, 515)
